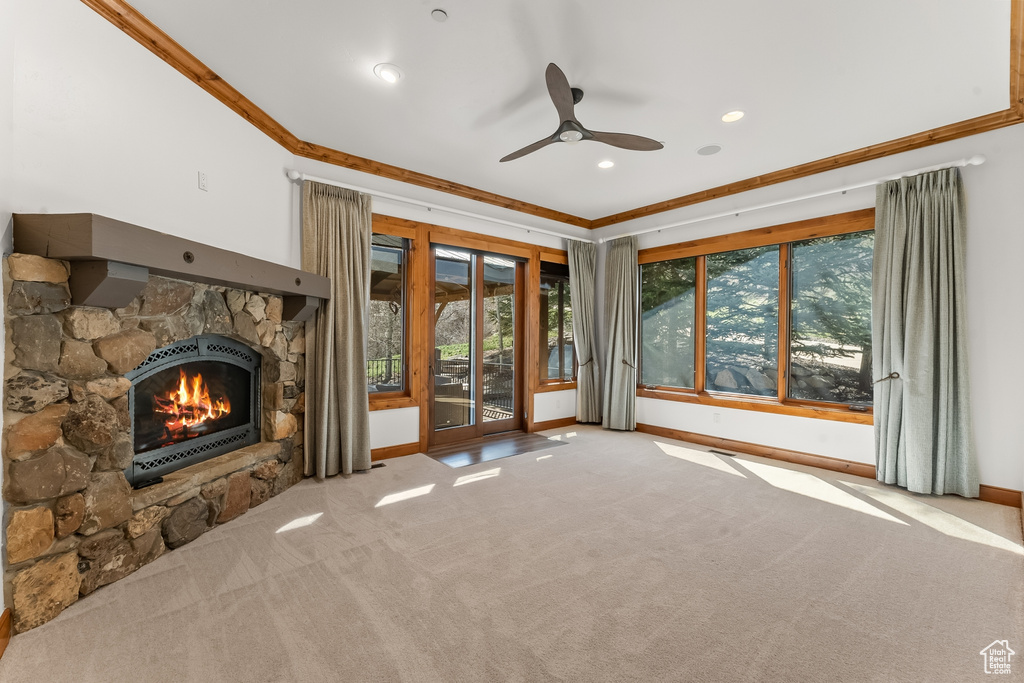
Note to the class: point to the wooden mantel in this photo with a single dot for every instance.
(111, 261)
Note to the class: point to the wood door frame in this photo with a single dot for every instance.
(479, 428)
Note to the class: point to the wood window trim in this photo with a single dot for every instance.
(388, 227)
(388, 400)
(777, 235)
(826, 411)
(549, 385)
(392, 400)
(541, 386)
(826, 226)
(453, 237)
(549, 255)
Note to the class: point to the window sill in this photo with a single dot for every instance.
(554, 386)
(390, 401)
(764, 405)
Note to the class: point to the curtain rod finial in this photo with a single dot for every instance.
(293, 174)
(976, 160)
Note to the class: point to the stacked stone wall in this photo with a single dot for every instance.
(72, 522)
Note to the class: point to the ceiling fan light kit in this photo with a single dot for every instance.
(570, 129)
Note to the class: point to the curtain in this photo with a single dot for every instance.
(620, 313)
(336, 232)
(582, 267)
(922, 403)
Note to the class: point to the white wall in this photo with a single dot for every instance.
(995, 278)
(395, 427)
(104, 126)
(6, 177)
(554, 405)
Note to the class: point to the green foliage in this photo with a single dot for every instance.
(830, 318)
(666, 319)
(832, 294)
(743, 307)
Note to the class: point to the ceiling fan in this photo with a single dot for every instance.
(571, 130)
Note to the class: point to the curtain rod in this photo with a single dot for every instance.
(299, 176)
(976, 160)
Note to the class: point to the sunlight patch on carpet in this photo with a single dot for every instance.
(937, 519)
(404, 495)
(479, 476)
(811, 486)
(300, 522)
(698, 458)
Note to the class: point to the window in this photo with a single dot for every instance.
(667, 307)
(743, 321)
(385, 347)
(557, 356)
(830, 338)
(717, 321)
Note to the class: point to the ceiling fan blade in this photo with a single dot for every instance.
(561, 93)
(528, 149)
(627, 141)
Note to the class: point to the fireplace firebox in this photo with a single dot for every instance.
(190, 401)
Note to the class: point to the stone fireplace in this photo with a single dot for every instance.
(198, 383)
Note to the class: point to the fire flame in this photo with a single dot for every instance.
(190, 405)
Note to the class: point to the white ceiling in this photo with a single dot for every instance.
(816, 78)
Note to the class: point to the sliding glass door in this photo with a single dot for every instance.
(474, 373)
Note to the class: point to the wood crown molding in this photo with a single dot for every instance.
(150, 36)
(147, 34)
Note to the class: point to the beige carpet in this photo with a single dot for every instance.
(620, 557)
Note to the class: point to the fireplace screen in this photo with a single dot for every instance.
(191, 401)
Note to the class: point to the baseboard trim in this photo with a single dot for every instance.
(5, 630)
(394, 451)
(1000, 496)
(553, 424)
(834, 464)
(989, 494)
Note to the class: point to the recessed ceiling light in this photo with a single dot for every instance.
(389, 73)
(708, 150)
(439, 15)
(731, 116)
(605, 164)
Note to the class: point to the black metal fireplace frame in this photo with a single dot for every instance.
(151, 465)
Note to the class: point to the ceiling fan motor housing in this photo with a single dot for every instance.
(570, 130)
